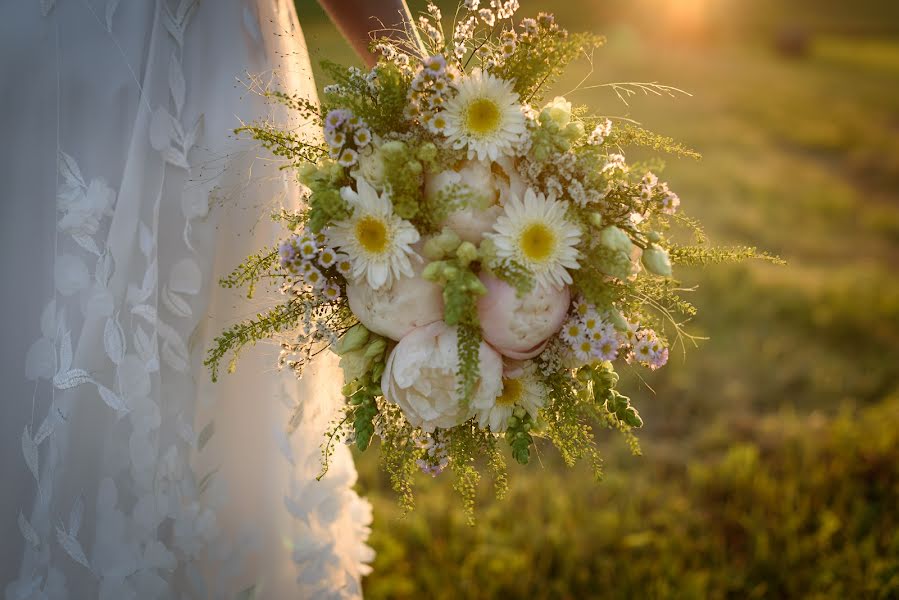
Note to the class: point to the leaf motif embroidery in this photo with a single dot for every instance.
(205, 435)
(175, 303)
(72, 547)
(46, 428)
(111, 6)
(71, 378)
(75, 516)
(28, 532)
(105, 267)
(174, 357)
(86, 242)
(65, 352)
(186, 432)
(176, 83)
(191, 138)
(114, 339)
(113, 400)
(68, 168)
(29, 451)
(146, 240)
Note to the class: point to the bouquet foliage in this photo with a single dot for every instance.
(481, 259)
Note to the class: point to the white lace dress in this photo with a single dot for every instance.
(124, 196)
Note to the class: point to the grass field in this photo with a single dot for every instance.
(770, 464)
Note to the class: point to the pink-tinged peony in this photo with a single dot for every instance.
(473, 192)
(519, 328)
(394, 311)
(421, 378)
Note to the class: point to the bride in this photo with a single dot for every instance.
(126, 472)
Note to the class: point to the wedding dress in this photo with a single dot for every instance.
(124, 196)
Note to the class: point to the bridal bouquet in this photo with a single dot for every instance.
(481, 260)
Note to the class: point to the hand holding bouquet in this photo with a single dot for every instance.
(479, 259)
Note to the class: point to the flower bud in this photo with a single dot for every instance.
(653, 237)
(657, 261)
(614, 239)
(596, 219)
(432, 250)
(559, 111)
(467, 253)
(617, 319)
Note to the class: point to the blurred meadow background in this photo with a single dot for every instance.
(770, 464)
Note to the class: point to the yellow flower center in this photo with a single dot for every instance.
(512, 391)
(482, 117)
(538, 242)
(371, 233)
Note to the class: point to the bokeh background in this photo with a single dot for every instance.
(770, 464)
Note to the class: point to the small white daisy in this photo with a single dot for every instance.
(314, 277)
(606, 348)
(583, 350)
(331, 291)
(484, 117)
(537, 234)
(378, 242)
(348, 157)
(307, 248)
(524, 390)
(327, 258)
(572, 331)
(435, 65)
(344, 265)
(362, 137)
(335, 138)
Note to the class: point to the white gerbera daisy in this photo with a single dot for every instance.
(537, 234)
(377, 241)
(524, 390)
(484, 116)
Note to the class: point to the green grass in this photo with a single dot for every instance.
(771, 455)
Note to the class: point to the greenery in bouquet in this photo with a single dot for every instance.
(480, 258)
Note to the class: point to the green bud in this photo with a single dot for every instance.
(653, 236)
(393, 147)
(432, 250)
(615, 239)
(657, 261)
(596, 219)
(375, 348)
(427, 152)
(433, 271)
(353, 339)
(475, 286)
(448, 240)
(450, 272)
(519, 412)
(574, 130)
(513, 421)
(467, 253)
(414, 167)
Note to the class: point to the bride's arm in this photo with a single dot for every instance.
(356, 18)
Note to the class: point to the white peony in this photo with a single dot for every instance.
(394, 311)
(371, 167)
(420, 377)
(520, 327)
